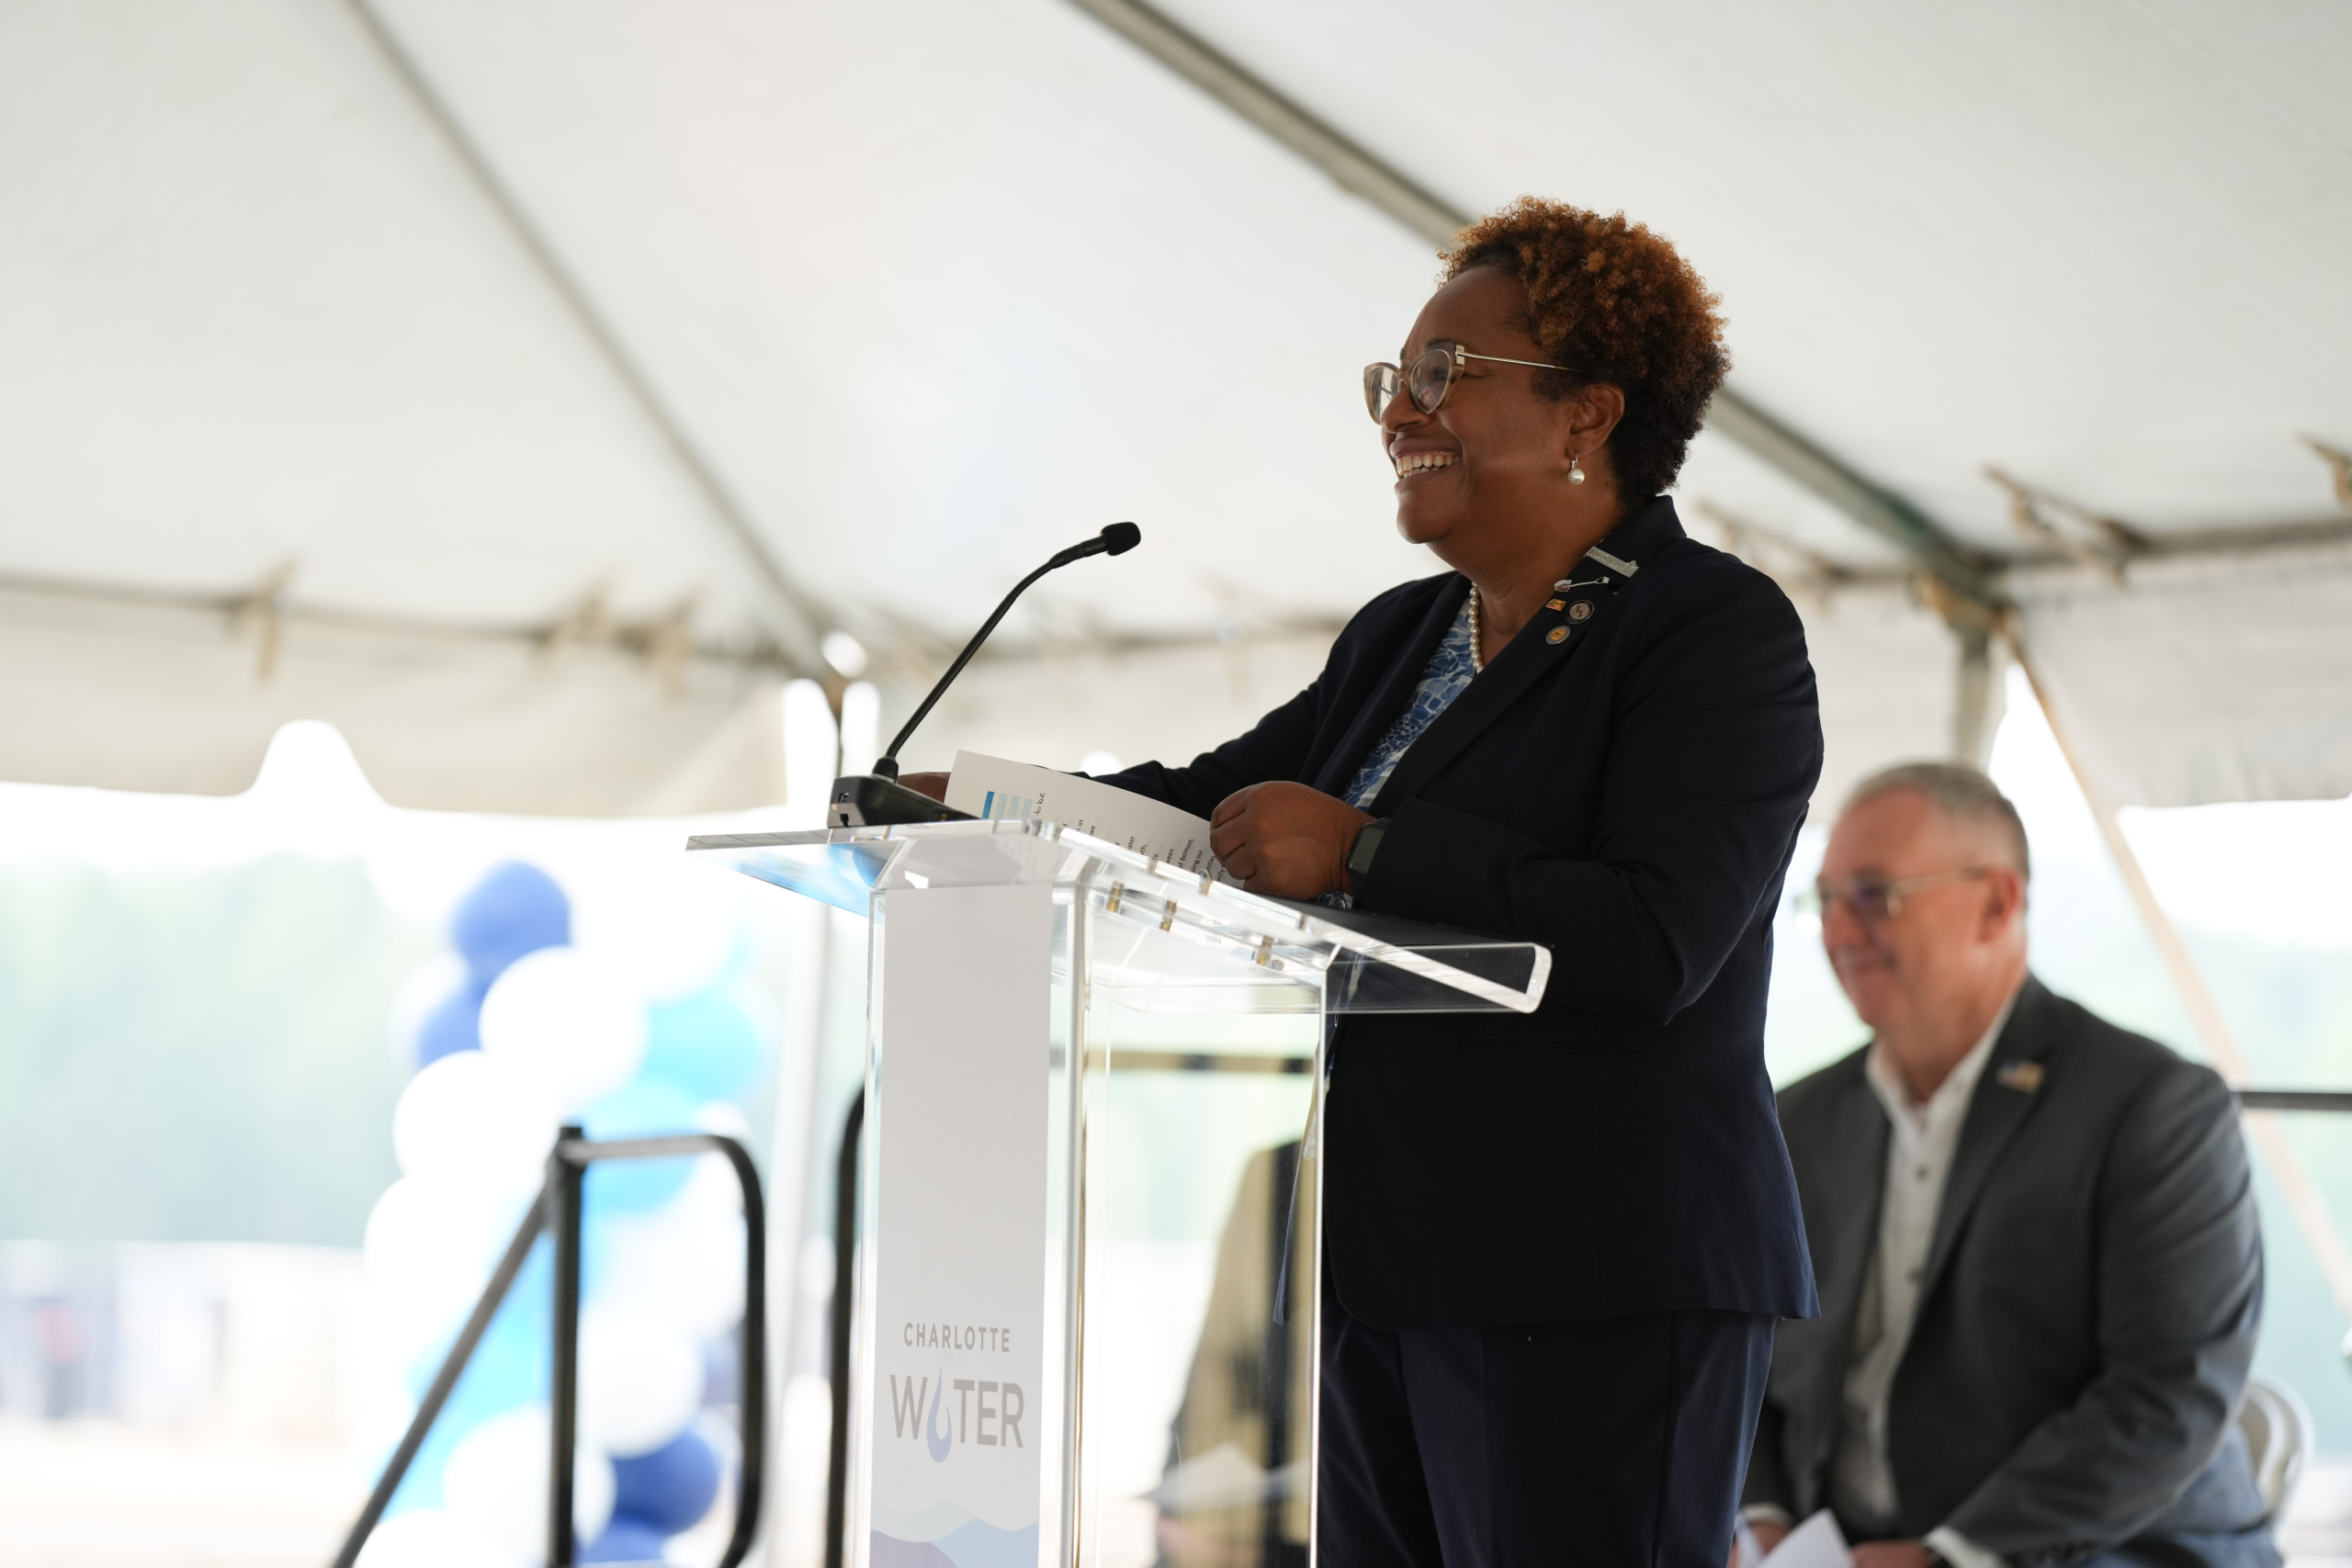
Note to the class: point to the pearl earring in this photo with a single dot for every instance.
(1576, 471)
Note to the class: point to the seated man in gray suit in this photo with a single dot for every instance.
(2033, 1234)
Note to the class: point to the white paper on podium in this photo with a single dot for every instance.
(1816, 1544)
(997, 789)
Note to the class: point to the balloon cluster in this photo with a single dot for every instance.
(629, 1016)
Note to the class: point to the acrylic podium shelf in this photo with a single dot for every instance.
(1064, 1346)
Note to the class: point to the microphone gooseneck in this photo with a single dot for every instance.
(1116, 539)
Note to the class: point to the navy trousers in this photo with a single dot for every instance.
(1618, 1441)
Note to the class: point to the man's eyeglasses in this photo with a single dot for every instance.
(1873, 899)
(1426, 379)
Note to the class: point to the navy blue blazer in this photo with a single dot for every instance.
(1629, 796)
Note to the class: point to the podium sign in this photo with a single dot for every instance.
(1088, 1188)
(959, 1224)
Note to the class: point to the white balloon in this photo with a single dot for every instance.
(430, 1245)
(475, 1118)
(713, 1183)
(432, 1537)
(567, 1022)
(640, 1377)
(727, 1119)
(682, 1261)
(429, 985)
(496, 1479)
(668, 930)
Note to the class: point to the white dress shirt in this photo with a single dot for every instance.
(1921, 1140)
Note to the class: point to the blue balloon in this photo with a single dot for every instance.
(452, 1027)
(671, 1488)
(513, 1365)
(510, 1368)
(625, 1541)
(508, 1371)
(642, 1108)
(707, 1046)
(421, 1487)
(515, 910)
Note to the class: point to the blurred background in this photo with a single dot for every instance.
(450, 450)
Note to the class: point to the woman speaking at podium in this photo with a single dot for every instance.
(1555, 1245)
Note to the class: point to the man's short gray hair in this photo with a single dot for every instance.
(1961, 793)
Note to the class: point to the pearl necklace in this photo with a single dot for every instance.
(1478, 664)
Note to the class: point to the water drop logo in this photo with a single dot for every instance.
(936, 1437)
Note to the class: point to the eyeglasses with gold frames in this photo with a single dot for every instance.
(1874, 900)
(1427, 376)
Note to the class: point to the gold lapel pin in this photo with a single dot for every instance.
(1557, 634)
(2022, 1076)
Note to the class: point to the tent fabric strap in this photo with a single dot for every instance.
(791, 615)
(1353, 167)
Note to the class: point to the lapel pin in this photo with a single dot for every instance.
(1581, 610)
(1555, 603)
(2022, 1076)
(1557, 634)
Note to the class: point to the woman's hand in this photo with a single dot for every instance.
(1892, 1554)
(1288, 840)
(931, 784)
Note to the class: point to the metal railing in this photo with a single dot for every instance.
(559, 1209)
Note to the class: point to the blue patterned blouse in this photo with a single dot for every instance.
(1443, 680)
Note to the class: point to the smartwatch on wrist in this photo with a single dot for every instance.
(1367, 845)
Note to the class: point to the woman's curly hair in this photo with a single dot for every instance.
(1611, 301)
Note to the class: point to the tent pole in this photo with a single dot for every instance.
(1974, 713)
(2304, 1200)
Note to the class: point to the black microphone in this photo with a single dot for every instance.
(874, 799)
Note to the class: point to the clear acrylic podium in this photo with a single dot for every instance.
(1088, 1188)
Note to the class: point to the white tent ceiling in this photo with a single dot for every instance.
(450, 330)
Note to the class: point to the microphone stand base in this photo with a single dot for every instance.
(869, 800)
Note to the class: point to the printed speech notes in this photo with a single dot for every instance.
(998, 789)
(1816, 1544)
